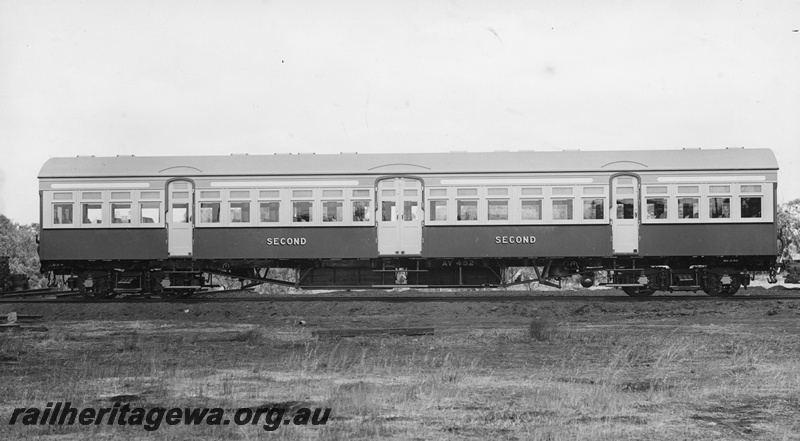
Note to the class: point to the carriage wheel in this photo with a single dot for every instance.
(171, 294)
(176, 293)
(717, 289)
(188, 293)
(99, 290)
(94, 294)
(638, 292)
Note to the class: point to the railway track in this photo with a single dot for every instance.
(215, 297)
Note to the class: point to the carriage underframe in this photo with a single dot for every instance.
(636, 276)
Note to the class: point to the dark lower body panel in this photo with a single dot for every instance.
(470, 255)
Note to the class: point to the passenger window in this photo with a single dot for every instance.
(751, 207)
(62, 214)
(625, 208)
(92, 213)
(657, 208)
(333, 211)
(149, 212)
(302, 211)
(688, 208)
(719, 207)
(121, 213)
(209, 212)
(361, 211)
(594, 209)
(270, 211)
(438, 210)
(562, 209)
(240, 212)
(498, 210)
(532, 209)
(467, 210)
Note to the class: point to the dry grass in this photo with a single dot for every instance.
(549, 380)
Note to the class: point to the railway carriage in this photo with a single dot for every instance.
(653, 220)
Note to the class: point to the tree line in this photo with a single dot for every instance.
(18, 243)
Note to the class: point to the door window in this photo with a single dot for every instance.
(625, 208)
(180, 213)
(388, 211)
(410, 210)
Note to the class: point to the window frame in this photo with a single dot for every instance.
(710, 213)
(140, 212)
(760, 198)
(540, 200)
(684, 191)
(603, 209)
(495, 199)
(435, 195)
(150, 196)
(53, 212)
(231, 197)
(293, 198)
(265, 196)
(473, 202)
(131, 213)
(650, 191)
(352, 199)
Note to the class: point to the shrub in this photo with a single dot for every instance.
(542, 329)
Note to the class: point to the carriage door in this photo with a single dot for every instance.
(179, 218)
(625, 214)
(400, 218)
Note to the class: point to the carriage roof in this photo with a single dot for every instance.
(737, 159)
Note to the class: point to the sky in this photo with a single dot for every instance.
(202, 77)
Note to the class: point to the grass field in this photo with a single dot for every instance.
(615, 377)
